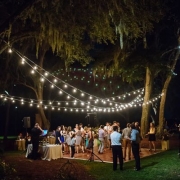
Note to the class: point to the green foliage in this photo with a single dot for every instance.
(72, 26)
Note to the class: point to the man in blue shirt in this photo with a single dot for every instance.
(135, 139)
(116, 138)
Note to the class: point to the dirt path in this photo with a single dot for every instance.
(27, 169)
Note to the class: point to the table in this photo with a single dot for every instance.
(21, 144)
(165, 145)
(51, 140)
(48, 151)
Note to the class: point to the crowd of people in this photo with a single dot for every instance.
(80, 139)
(111, 136)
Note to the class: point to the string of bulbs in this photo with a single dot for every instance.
(84, 105)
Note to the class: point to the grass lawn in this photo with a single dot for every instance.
(164, 165)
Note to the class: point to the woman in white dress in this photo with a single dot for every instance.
(78, 139)
(68, 138)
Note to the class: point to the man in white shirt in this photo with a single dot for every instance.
(116, 148)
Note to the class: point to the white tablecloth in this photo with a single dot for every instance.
(48, 152)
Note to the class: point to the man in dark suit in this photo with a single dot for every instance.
(35, 133)
(135, 140)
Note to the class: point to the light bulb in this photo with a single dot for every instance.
(42, 79)
(32, 72)
(46, 74)
(9, 50)
(22, 61)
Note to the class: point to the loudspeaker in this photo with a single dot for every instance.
(27, 122)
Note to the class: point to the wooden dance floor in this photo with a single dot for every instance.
(107, 155)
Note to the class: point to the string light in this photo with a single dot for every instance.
(100, 109)
(32, 72)
(82, 94)
(36, 68)
(22, 61)
(9, 50)
(42, 79)
(46, 74)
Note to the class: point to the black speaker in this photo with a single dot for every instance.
(27, 122)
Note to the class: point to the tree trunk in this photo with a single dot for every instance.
(146, 107)
(45, 122)
(165, 88)
(39, 89)
(5, 139)
(162, 106)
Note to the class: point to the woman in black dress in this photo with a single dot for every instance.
(152, 137)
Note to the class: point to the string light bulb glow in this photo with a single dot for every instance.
(9, 50)
(115, 104)
(46, 74)
(22, 61)
(42, 79)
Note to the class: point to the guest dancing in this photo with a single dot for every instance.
(152, 136)
(126, 134)
(58, 135)
(101, 139)
(73, 142)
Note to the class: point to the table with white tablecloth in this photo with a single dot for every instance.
(48, 151)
